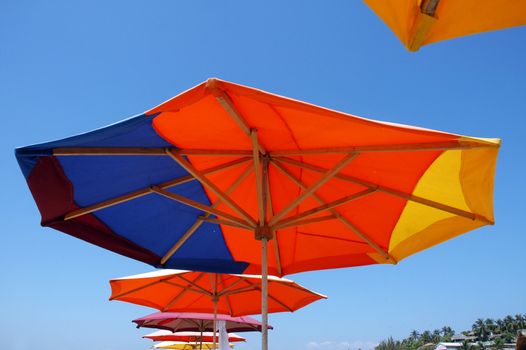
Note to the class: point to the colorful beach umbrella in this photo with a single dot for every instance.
(199, 322)
(205, 180)
(422, 22)
(185, 346)
(189, 291)
(206, 337)
(193, 291)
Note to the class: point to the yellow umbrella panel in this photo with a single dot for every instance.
(421, 22)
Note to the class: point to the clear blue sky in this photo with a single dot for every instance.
(71, 66)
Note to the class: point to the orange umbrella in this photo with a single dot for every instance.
(193, 291)
(422, 22)
(190, 291)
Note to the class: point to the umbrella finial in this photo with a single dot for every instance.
(214, 85)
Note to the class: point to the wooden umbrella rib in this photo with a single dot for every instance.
(138, 151)
(228, 105)
(239, 290)
(273, 298)
(225, 290)
(185, 289)
(140, 288)
(302, 222)
(328, 174)
(390, 191)
(194, 282)
(182, 240)
(227, 299)
(178, 285)
(340, 217)
(213, 152)
(142, 192)
(207, 217)
(417, 147)
(108, 151)
(325, 207)
(211, 186)
(201, 206)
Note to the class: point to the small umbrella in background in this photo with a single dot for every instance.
(199, 322)
(422, 22)
(185, 346)
(194, 291)
(205, 337)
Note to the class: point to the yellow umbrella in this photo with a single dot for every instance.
(422, 22)
(183, 346)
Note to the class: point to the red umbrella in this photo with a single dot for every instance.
(164, 335)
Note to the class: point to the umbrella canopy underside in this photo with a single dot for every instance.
(175, 187)
(421, 22)
(198, 322)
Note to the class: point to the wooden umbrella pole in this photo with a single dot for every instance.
(201, 341)
(264, 295)
(215, 300)
(262, 231)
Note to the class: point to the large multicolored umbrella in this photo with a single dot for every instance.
(199, 322)
(204, 180)
(205, 337)
(422, 22)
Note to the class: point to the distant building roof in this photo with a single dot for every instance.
(448, 345)
(462, 337)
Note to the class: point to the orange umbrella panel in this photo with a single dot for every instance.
(422, 22)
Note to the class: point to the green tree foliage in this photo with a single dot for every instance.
(491, 335)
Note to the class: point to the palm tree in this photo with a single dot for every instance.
(426, 337)
(498, 344)
(389, 344)
(480, 330)
(490, 325)
(509, 322)
(501, 325)
(414, 335)
(520, 320)
(447, 333)
(436, 337)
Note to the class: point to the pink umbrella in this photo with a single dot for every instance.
(198, 322)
